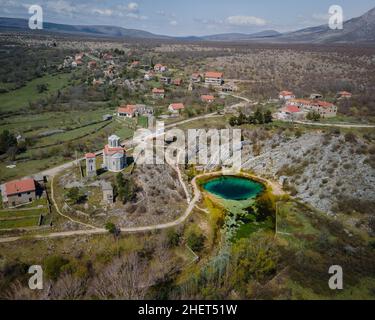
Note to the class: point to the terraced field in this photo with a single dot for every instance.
(17, 99)
(11, 219)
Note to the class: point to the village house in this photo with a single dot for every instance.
(177, 82)
(344, 95)
(316, 96)
(129, 111)
(207, 98)
(299, 102)
(196, 78)
(97, 82)
(291, 112)
(142, 109)
(79, 56)
(229, 87)
(214, 78)
(67, 62)
(286, 95)
(92, 65)
(18, 192)
(158, 93)
(110, 72)
(166, 80)
(175, 108)
(107, 57)
(149, 76)
(160, 68)
(325, 109)
(114, 155)
(135, 64)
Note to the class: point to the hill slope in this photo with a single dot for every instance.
(356, 30)
(103, 31)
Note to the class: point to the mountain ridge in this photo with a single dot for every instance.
(355, 30)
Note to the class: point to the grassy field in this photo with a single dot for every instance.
(35, 124)
(24, 218)
(143, 122)
(17, 99)
(20, 213)
(70, 135)
(19, 223)
(27, 163)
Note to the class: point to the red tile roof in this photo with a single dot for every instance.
(207, 98)
(111, 151)
(177, 82)
(213, 74)
(159, 66)
(286, 93)
(90, 155)
(130, 109)
(291, 109)
(156, 90)
(318, 103)
(324, 104)
(345, 93)
(19, 186)
(177, 106)
(302, 101)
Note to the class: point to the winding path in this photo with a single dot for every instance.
(95, 231)
(276, 189)
(333, 125)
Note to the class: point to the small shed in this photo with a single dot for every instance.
(107, 189)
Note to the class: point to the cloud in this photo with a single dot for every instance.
(131, 11)
(103, 12)
(173, 23)
(244, 21)
(62, 6)
(133, 7)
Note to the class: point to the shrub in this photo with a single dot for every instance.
(350, 137)
(173, 238)
(195, 241)
(53, 266)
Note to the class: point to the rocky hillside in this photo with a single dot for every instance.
(361, 29)
(334, 173)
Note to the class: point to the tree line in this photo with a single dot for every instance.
(258, 117)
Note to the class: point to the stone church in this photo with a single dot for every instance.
(114, 156)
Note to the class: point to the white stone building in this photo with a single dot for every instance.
(214, 78)
(114, 156)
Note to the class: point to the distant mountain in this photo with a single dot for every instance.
(103, 31)
(241, 36)
(356, 30)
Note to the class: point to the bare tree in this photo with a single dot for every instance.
(68, 287)
(125, 278)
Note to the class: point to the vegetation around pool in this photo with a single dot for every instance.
(247, 204)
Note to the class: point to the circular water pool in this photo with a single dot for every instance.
(234, 188)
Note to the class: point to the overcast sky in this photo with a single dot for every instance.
(189, 17)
